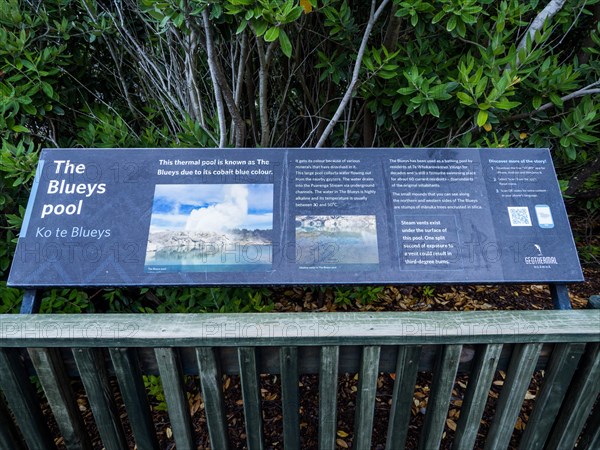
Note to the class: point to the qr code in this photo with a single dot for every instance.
(519, 216)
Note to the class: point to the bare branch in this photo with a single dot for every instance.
(352, 85)
(215, 82)
(588, 90)
(548, 12)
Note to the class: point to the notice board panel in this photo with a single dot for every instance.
(143, 217)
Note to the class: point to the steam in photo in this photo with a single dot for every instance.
(215, 227)
(336, 240)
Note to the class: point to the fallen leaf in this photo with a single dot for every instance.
(342, 433)
(169, 433)
(520, 425)
(451, 424)
(341, 443)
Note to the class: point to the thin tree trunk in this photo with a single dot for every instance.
(251, 98)
(264, 59)
(392, 33)
(215, 82)
(192, 88)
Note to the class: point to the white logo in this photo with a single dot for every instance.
(540, 259)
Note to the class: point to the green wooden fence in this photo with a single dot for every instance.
(98, 348)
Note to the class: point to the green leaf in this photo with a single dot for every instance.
(554, 131)
(451, 25)
(439, 92)
(506, 104)
(386, 75)
(406, 90)
(482, 118)
(571, 152)
(433, 109)
(30, 109)
(554, 98)
(461, 28)
(241, 27)
(272, 34)
(260, 26)
(481, 85)
(465, 98)
(294, 14)
(47, 88)
(438, 17)
(586, 138)
(286, 45)
(20, 129)
(537, 102)
(29, 65)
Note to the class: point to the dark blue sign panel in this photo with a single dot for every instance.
(142, 217)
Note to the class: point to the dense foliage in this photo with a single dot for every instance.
(262, 73)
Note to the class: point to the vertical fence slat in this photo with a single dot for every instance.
(9, 438)
(290, 403)
(407, 365)
(367, 391)
(90, 363)
(212, 394)
(559, 372)
(590, 439)
(177, 403)
(251, 396)
(480, 380)
(439, 398)
(129, 375)
(22, 401)
(57, 387)
(518, 378)
(579, 400)
(328, 382)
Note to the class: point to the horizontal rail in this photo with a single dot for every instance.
(298, 329)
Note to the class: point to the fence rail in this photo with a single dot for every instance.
(100, 348)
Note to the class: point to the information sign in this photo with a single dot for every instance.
(142, 217)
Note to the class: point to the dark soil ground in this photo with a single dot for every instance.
(390, 298)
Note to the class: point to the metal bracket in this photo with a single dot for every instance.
(32, 300)
(560, 296)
